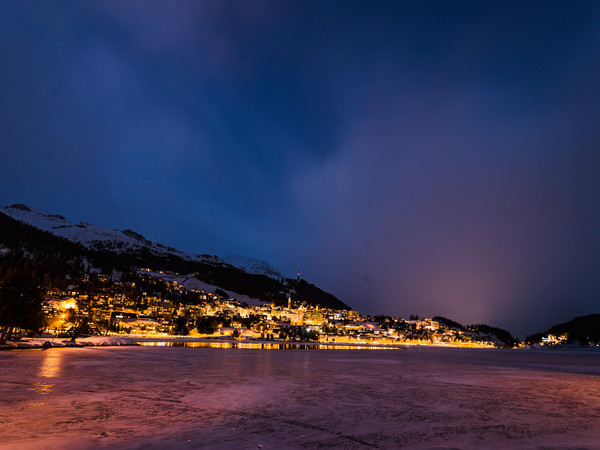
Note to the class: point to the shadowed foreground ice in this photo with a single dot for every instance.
(177, 397)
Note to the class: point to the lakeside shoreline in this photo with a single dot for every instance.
(51, 341)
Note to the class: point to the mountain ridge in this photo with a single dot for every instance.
(62, 248)
(581, 330)
(99, 237)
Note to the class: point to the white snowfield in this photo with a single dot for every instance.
(101, 237)
(416, 398)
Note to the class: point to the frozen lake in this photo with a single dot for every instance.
(178, 397)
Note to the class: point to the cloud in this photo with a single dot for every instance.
(463, 207)
(413, 159)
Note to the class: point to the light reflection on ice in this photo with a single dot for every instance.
(43, 389)
(35, 404)
(51, 364)
(262, 345)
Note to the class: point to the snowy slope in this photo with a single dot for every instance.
(92, 236)
(189, 282)
(98, 237)
(252, 265)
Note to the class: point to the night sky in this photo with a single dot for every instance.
(431, 158)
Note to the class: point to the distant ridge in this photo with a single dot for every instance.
(583, 330)
(97, 237)
(252, 265)
(109, 249)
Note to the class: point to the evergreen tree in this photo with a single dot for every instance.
(79, 320)
(21, 297)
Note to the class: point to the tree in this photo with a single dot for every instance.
(79, 320)
(21, 297)
(221, 293)
(181, 326)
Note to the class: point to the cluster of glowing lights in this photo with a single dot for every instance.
(68, 304)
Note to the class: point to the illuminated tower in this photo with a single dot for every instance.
(290, 300)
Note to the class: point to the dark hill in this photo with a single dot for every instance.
(62, 261)
(583, 329)
(499, 333)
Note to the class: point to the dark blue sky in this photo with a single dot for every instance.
(415, 157)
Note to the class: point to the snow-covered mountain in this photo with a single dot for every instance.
(98, 237)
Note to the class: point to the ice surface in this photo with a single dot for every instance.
(178, 397)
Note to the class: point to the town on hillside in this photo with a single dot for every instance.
(151, 303)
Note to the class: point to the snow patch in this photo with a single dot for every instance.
(252, 265)
(51, 341)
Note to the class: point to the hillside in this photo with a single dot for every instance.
(498, 335)
(101, 238)
(62, 252)
(584, 330)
